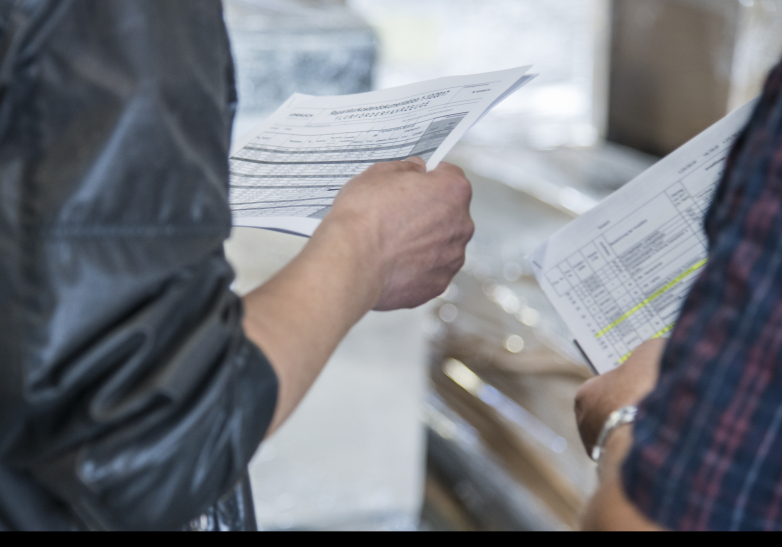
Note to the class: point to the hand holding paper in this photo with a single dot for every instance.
(286, 173)
(619, 274)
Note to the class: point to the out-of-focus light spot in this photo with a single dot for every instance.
(434, 329)
(449, 313)
(285, 521)
(506, 407)
(559, 445)
(530, 317)
(514, 344)
(285, 501)
(511, 306)
(463, 376)
(572, 199)
(506, 298)
(488, 288)
(512, 271)
(451, 293)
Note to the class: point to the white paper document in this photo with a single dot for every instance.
(618, 275)
(286, 173)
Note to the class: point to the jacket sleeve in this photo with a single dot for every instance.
(130, 393)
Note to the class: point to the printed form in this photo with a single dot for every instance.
(619, 274)
(286, 173)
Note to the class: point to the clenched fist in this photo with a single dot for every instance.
(627, 385)
(417, 224)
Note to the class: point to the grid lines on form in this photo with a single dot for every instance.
(283, 174)
(628, 284)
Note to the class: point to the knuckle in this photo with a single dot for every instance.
(463, 233)
(469, 229)
(458, 197)
(580, 395)
(463, 190)
(578, 407)
(408, 164)
(442, 284)
(417, 161)
(466, 185)
(445, 166)
(455, 264)
(387, 166)
(459, 264)
(583, 395)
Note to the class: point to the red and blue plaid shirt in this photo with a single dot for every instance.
(708, 442)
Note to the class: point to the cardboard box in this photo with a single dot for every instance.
(678, 66)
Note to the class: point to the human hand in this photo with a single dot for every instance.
(627, 385)
(416, 224)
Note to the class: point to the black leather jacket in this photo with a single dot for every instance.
(129, 397)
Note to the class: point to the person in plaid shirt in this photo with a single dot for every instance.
(705, 451)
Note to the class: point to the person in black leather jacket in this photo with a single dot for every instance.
(134, 391)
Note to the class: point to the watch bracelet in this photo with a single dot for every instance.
(623, 416)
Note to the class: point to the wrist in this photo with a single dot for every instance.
(352, 242)
(615, 452)
(619, 418)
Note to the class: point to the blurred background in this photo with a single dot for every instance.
(458, 415)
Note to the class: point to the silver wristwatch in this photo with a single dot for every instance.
(625, 415)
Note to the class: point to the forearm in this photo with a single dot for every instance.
(609, 509)
(394, 238)
(299, 317)
(629, 384)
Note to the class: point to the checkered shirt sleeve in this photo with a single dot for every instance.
(707, 452)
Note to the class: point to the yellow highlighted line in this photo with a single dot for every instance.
(665, 331)
(660, 334)
(654, 297)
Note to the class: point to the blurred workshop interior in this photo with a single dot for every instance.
(458, 415)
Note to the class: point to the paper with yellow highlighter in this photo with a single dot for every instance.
(618, 275)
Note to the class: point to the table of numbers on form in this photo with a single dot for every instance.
(286, 173)
(628, 284)
(299, 175)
